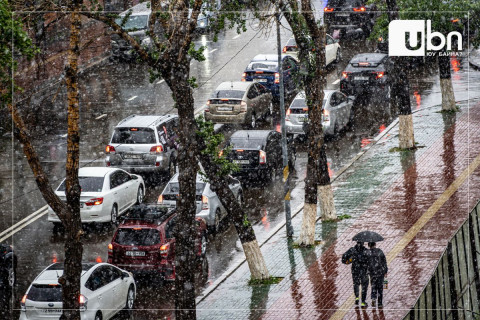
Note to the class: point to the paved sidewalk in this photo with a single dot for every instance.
(474, 59)
(416, 200)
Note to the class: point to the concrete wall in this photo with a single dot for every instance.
(453, 292)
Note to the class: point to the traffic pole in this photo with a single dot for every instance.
(286, 175)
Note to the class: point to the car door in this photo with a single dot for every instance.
(100, 296)
(330, 52)
(253, 99)
(118, 286)
(118, 191)
(342, 107)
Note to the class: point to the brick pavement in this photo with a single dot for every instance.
(383, 191)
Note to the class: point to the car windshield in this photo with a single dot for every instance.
(291, 42)
(271, 66)
(300, 103)
(134, 22)
(174, 187)
(134, 136)
(87, 184)
(45, 292)
(344, 3)
(137, 237)
(228, 94)
(246, 144)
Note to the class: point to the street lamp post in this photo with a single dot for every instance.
(286, 179)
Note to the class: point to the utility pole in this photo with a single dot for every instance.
(286, 170)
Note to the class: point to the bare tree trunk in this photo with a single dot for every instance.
(327, 205)
(70, 280)
(448, 96)
(406, 139)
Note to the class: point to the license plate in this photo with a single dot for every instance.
(343, 14)
(302, 119)
(52, 310)
(361, 78)
(241, 161)
(135, 253)
(225, 108)
(132, 156)
(260, 80)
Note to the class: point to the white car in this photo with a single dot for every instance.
(106, 194)
(337, 113)
(104, 291)
(209, 206)
(333, 51)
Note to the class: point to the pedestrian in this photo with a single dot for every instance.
(357, 256)
(377, 269)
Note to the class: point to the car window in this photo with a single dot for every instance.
(134, 136)
(341, 98)
(228, 94)
(252, 93)
(330, 40)
(264, 65)
(261, 88)
(170, 228)
(137, 237)
(174, 188)
(87, 184)
(246, 144)
(123, 177)
(97, 279)
(115, 180)
(45, 292)
(112, 273)
(170, 125)
(138, 22)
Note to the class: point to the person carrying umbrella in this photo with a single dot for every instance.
(377, 269)
(357, 256)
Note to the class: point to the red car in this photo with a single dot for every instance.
(144, 242)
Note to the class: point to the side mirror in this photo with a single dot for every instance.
(134, 177)
(124, 275)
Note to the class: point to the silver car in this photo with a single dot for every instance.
(337, 113)
(144, 144)
(209, 206)
(239, 102)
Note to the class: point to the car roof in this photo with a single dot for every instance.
(147, 215)
(95, 171)
(144, 121)
(251, 134)
(234, 85)
(51, 274)
(268, 57)
(301, 94)
(368, 57)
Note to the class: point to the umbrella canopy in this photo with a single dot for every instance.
(367, 236)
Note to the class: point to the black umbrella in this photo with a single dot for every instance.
(367, 236)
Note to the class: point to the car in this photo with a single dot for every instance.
(209, 206)
(239, 102)
(350, 18)
(264, 69)
(144, 242)
(106, 194)
(337, 113)
(144, 144)
(104, 291)
(333, 51)
(207, 14)
(258, 154)
(367, 75)
(8, 267)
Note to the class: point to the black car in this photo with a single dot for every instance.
(258, 154)
(8, 263)
(349, 17)
(367, 75)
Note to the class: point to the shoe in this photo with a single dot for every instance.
(364, 305)
(373, 303)
(357, 300)
(380, 306)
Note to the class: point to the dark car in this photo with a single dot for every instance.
(8, 264)
(258, 154)
(349, 17)
(367, 75)
(264, 69)
(144, 242)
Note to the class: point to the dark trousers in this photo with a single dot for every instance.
(377, 288)
(360, 281)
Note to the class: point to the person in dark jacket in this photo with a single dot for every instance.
(377, 269)
(357, 256)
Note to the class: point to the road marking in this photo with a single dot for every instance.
(238, 35)
(160, 81)
(413, 231)
(212, 51)
(132, 98)
(28, 219)
(101, 117)
(336, 81)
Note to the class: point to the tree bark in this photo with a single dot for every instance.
(406, 139)
(327, 205)
(448, 96)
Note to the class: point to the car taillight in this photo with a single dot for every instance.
(109, 149)
(164, 250)
(156, 149)
(379, 74)
(359, 9)
(243, 106)
(244, 76)
(204, 203)
(287, 115)
(83, 302)
(207, 109)
(326, 116)
(277, 77)
(94, 202)
(22, 303)
(160, 199)
(327, 9)
(284, 49)
(110, 248)
(345, 74)
(262, 157)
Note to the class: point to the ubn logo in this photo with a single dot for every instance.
(398, 40)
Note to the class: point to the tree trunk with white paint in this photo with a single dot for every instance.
(406, 139)
(448, 97)
(256, 263)
(327, 205)
(307, 233)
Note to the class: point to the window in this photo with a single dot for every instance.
(137, 237)
(134, 136)
(170, 228)
(134, 22)
(265, 65)
(228, 94)
(261, 89)
(333, 100)
(330, 40)
(97, 279)
(87, 184)
(288, 64)
(252, 93)
(118, 178)
(341, 98)
(111, 273)
(45, 292)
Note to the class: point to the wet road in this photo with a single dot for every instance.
(112, 91)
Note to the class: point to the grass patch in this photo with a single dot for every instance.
(457, 109)
(398, 149)
(315, 243)
(268, 281)
(343, 217)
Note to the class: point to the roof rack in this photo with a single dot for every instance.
(127, 118)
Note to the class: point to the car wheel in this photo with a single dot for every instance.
(130, 298)
(140, 195)
(338, 56)
(253, 121)
(114, 214)
(172, 168)
(57, 228)
(98, 316)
